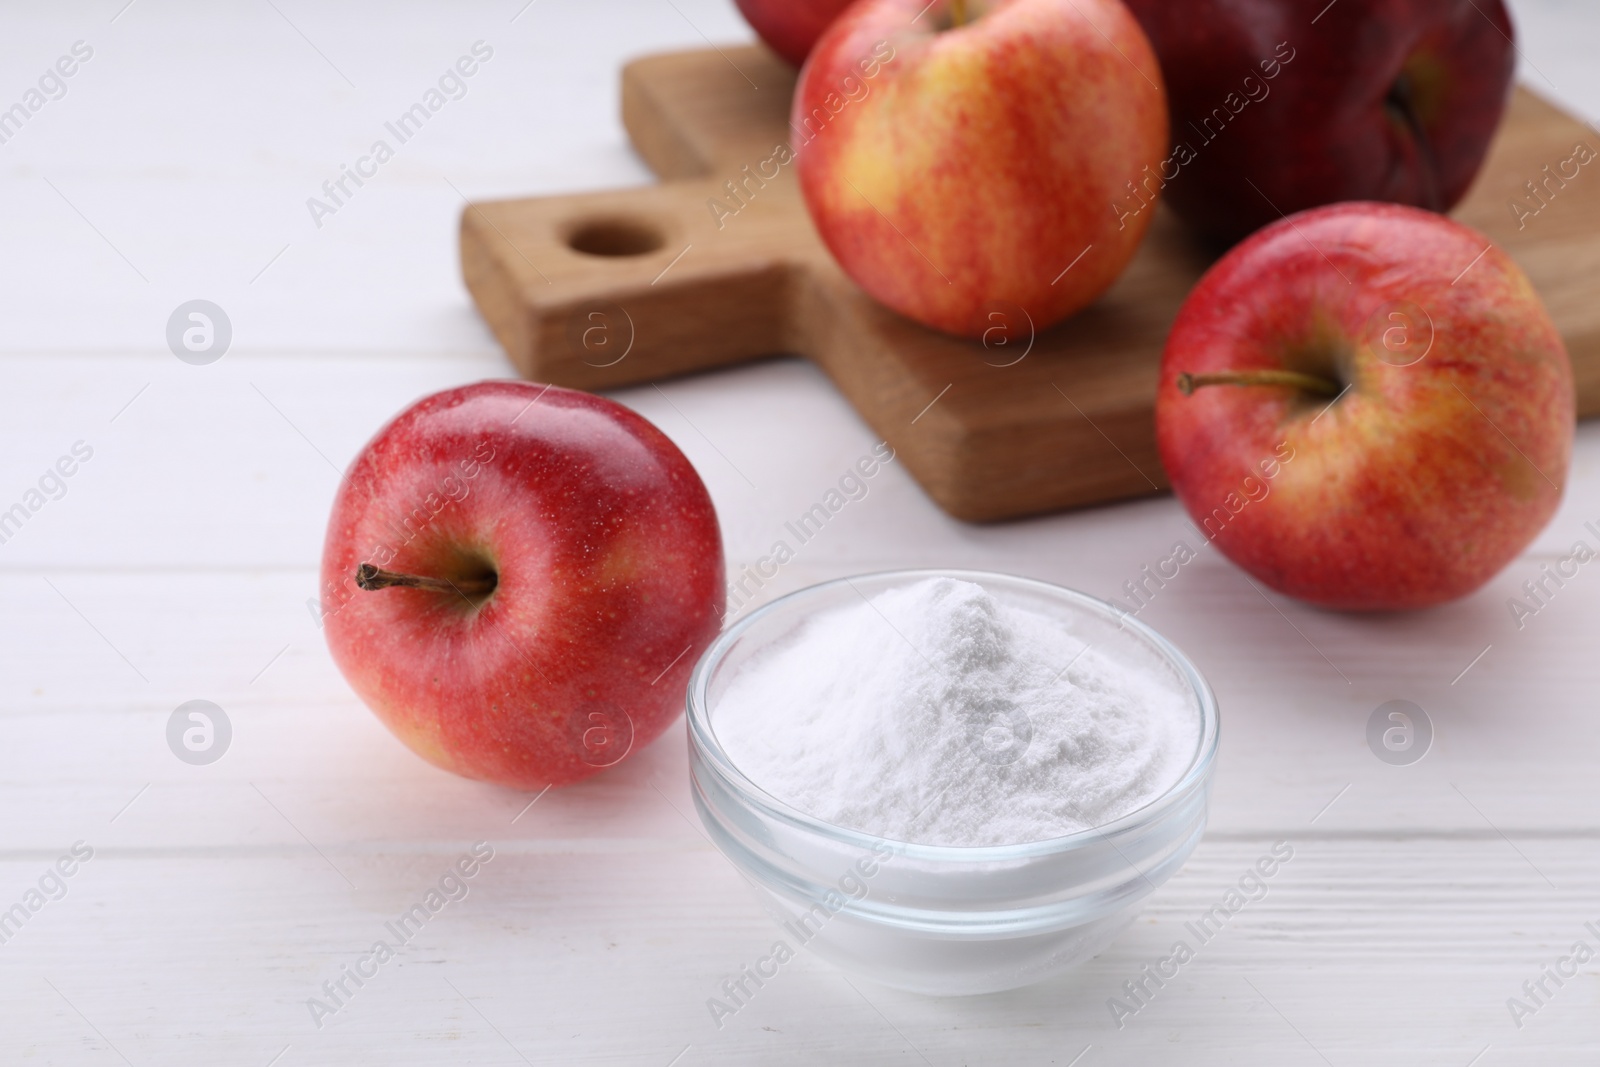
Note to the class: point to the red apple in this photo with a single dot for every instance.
(959, 158)
(1366, 406)
(518, 579)
(791, 27)
(1281, 105)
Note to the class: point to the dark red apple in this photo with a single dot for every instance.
(1366, 406)
(1282, 105)
(518, 579)
(791, 27)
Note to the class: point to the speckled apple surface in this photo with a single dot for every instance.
(608, 569)
(1443, 458)
(957, 172)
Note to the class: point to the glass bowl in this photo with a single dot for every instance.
(946, 919)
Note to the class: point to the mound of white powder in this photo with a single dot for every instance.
(937, 714)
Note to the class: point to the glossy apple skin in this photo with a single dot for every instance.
(791, 27)
(976, 164)
(1322, 130)
(1423, 480)
(610, 571)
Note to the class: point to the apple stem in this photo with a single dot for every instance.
(370, 578)
(1308, 383)
(1402, 100)
(958, 13)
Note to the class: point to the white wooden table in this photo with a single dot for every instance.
(178, 564)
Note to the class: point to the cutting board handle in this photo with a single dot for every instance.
(609, 289)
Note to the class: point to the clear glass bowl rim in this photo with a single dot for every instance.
(703, 737)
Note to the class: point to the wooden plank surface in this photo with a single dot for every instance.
(216, 902)
(610, 289)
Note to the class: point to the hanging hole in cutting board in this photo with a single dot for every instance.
(615, 237)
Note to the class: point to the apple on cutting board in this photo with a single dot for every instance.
(518, 580)
(959, 158)
(791, 27)
(1282, 105)
(1367, 407)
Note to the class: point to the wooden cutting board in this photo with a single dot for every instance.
(607, 289)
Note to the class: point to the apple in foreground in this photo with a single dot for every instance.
(961, 159)
(1366, 406)
(791, 27)
(1274, 111)
(518, 580)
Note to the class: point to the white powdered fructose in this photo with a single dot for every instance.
(937, 714)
